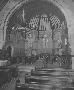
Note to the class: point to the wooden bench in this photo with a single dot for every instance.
(40, 87)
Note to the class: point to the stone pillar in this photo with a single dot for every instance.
(72, 58)
(72, 62)
(72, 48)
(1, 39)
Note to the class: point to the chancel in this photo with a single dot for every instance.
(36, 44)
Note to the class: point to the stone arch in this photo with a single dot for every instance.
(60, 4)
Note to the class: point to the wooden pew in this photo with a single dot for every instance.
(46, 80)
(50, 73)
(41, 87)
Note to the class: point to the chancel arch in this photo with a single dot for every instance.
(45, 19)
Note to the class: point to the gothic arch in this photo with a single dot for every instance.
(60, 4)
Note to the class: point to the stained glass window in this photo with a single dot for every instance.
(34, 22)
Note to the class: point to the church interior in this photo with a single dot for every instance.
(36, 45)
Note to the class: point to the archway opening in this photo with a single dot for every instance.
(41, 27)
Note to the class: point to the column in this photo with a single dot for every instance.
(72, 48)
(72, 62)
(1, 39)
